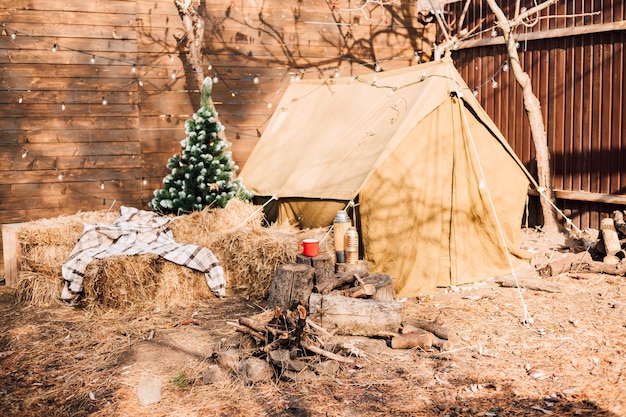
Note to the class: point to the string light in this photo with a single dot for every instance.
(134, 69)
(215, 78)
(102, 185)
(494, 83)
(25, 153)
(255, 79)
(61, 176)
(13, 35)
(62, 106)
(54, 47)
(20, 100)
(139, 82)
(93, 59)
(505, 66)
(377, 67)
(171, 58)
(417, 57)
(144, 181)
(494, 32)
(475, 91)
(104, 101)
(336, 72)
(269, 105)
(173, 74)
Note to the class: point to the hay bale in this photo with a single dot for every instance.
(248, 252)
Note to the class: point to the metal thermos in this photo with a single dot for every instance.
(352, 246)
(341, 224)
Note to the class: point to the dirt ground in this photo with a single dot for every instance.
(570, 361)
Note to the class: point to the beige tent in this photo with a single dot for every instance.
(440, 194)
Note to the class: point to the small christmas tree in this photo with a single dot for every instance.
(204, 175)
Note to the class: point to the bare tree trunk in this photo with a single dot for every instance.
(532, 106)
(194, 27)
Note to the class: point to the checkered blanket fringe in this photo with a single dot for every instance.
(136, 232)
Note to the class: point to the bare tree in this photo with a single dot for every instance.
(532, 106)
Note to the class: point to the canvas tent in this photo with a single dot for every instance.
(440, 194)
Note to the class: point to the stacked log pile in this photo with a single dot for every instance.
(314, 305)
(604, 251)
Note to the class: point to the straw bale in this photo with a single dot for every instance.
(38, 289)
(249, 254)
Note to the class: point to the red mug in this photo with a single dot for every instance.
(309, 247)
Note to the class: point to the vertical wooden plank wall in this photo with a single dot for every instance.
(579, 79)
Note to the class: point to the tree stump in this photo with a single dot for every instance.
(292, 283)
(384, 287)
(355, 316)
(323, 265)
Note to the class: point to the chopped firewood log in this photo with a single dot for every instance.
(292, 283)
(384, 287)
(564, 265)
(436, 329)
(609, 236)
(418, 339)
(536, 284)
(355, 316)
(362, 291)
(325, 353)
(603, 268)
(618, 219)
(341, 278)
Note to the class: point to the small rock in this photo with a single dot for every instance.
(256, 370)
(213, 374)
(228, 359)
(149, 390)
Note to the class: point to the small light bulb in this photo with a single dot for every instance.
(139, 82)
(233, 94)
(255, 79)
(104, 101)
(93, 59)
(270, 105)
(505, 66)
(102, 185)
(377, 67)
(517, 45)
(475, 92)
(54, 47)
(494, 83)
(352, 79)
(62, 106)
(210, 67)
(336, 72)
(25, 153)
(215, 78)
(20, 100)
(173, 74)
(60, 176)
(134, 69)
(13, 35)
(494, 32)
(417, 57)
(298, 77)
(170, 57)
(144, 181)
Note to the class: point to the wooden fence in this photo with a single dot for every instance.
(574, 55)
(94, 95)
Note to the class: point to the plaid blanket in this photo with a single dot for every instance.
(136, 232)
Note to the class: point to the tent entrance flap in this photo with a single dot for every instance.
(305, 213)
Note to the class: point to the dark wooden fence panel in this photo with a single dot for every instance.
(575, 60)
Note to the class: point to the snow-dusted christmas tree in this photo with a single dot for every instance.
(204, 174)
